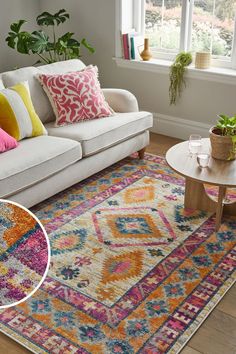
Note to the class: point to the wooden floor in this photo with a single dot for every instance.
(217, 335)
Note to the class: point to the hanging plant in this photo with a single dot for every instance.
(49, 50)
(177, 71)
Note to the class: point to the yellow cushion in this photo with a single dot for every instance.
(17, 114)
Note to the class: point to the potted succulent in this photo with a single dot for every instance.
(38, 42)
(223, 138)
(177, 70)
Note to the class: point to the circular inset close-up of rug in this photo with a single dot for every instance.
(24, 254)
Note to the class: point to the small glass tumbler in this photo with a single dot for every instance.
(203, 159)
(195, 144)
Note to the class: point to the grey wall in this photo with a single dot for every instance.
(13, 10)
(93, 19)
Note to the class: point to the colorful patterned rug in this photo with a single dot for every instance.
(212, 192)
(131, 270)
(23, 254)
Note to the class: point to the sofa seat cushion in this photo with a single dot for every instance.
(97, 135)
(34, 160)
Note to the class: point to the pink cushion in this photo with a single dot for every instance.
(75, 96)
(7, 142)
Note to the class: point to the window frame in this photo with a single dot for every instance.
(138, 24)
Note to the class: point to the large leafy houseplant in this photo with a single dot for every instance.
(177, 70)
(227, 125)
(49, 49)
(223, 138)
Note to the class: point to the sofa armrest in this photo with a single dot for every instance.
(121, 101)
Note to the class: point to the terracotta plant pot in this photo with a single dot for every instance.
(222, 146)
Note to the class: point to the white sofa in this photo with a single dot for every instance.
(43, 166)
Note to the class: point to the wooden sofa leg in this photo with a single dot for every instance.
(141, 153)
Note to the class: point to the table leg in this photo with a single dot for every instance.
(230, 209)
(196, 198)
(220, 206)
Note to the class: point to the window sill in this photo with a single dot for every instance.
(222, 75)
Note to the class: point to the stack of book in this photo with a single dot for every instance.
(131, 44)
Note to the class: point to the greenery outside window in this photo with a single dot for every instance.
(192, 25)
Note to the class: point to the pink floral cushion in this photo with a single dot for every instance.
(7, 142)
(75, 96)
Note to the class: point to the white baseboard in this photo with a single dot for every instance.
(178, 127)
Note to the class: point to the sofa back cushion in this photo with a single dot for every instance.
(62, 67)
(1, 84)
(39, 98)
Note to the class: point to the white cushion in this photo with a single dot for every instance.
(39, 98)
(98, 134)
(1, 85)
(34, 160)
(62, 67)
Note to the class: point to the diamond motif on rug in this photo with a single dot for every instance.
(122, 267)
(157, 308)
(187, 215)
(174, 290)
(186, 274)
(64, 242)
(127, 227)
(139, 194)
(41, 306)
(137, 226)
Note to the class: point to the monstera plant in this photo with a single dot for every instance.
(49, 48)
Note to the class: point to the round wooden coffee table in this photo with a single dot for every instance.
(219, 173)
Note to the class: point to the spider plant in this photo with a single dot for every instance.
(177, 70)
